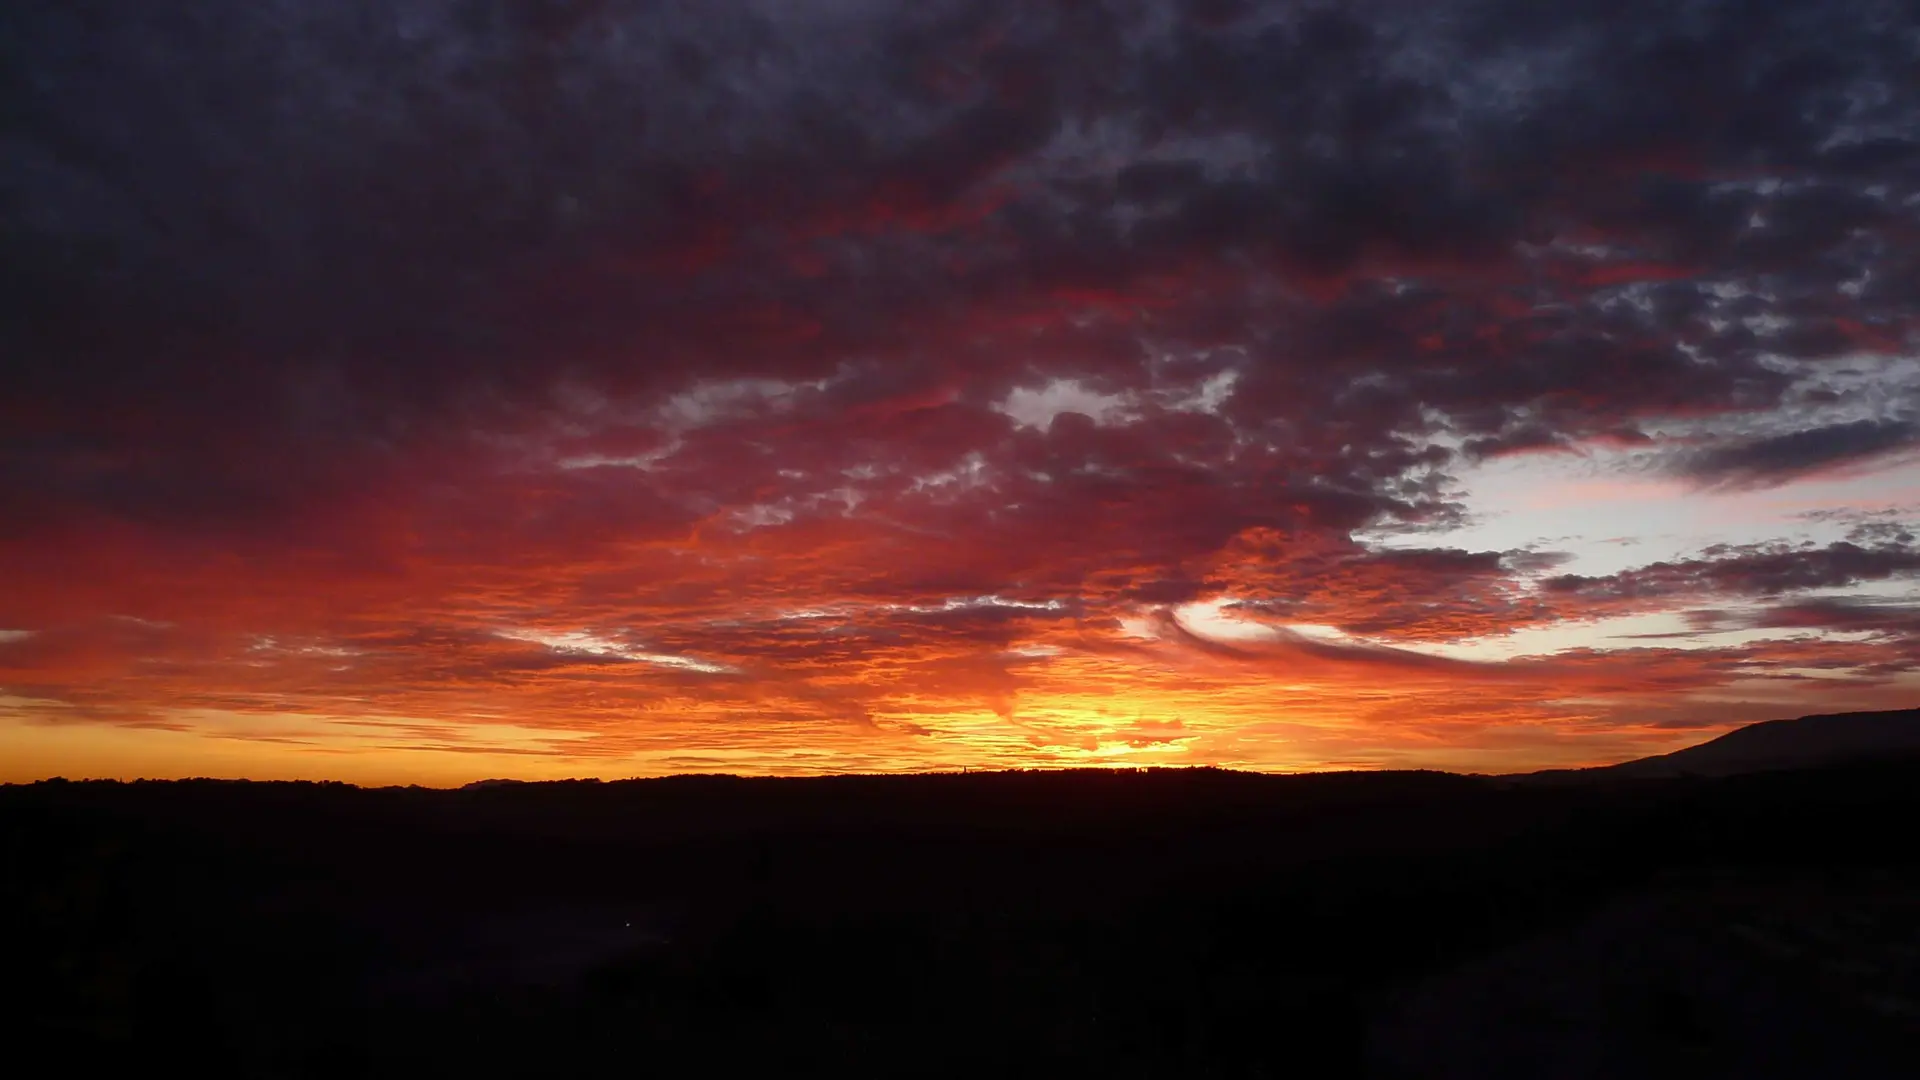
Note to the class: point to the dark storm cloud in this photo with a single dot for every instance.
(1743, 570)
(1520, 440)
(323, 316)
(1771, 460)
(1851, 615)
(344, 210)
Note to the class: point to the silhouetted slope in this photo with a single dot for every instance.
(1785, 744)
(1168, 923)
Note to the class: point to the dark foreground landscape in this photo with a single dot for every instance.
(1615, 923)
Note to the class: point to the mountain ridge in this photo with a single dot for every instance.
(1768, 745)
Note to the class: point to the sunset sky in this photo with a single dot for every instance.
(414, 391)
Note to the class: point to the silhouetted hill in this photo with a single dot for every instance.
(1806, 742)
(1116, 923)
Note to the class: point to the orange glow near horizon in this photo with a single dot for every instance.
(761, 660)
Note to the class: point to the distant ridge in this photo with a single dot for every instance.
(1805, 742)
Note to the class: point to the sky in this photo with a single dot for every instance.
(415, 391)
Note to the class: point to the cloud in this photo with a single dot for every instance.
(1844, 614)
(1738, 571)
(397, 328)
(1768, 461)
(1406, 594)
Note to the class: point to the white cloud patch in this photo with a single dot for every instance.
(1035, 652)
(585, 644)
(1208, 396)
(1210, 619)
(1037, 408)
(974, 603)
(701, 405)
(711, 402)
(267, 643)
(969, 473)
(642, 462)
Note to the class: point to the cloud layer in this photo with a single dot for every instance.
(864, 384)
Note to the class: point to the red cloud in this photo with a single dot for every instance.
(646, 398)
